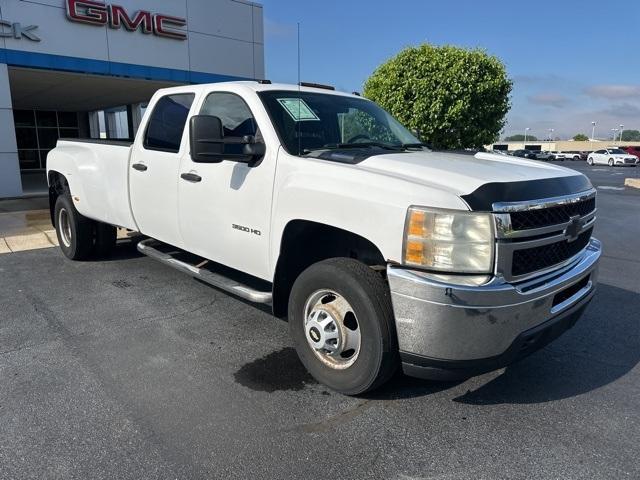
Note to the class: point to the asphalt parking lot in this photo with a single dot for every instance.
(129, 369)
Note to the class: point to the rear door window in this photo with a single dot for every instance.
(167, 122)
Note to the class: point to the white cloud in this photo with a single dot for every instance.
(623, 110)
(613, 91)
(549, 99)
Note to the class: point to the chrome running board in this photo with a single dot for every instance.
(207, 276)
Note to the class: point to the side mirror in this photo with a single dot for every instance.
(206, 139)
(253, 148)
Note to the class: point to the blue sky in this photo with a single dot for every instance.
(572, 62)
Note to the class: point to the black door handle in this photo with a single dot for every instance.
(191, 177)
(141, 167)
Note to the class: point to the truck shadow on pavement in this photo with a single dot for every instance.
(601, 348)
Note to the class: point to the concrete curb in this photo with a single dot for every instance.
(4, 248)
(31, 241)
(632, 182)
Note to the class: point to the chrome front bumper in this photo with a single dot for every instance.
(452, 331)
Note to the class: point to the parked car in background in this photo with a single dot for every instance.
(525, 154)
(559, 156)
(635, 150)
(544, 155)
(575, 156)
(612, 157)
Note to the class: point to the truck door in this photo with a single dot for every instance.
(154, 166)
(225, 208)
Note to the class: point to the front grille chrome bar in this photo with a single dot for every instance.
(504, 229)
(544, 203)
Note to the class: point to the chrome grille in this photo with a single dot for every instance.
(535, 259)
(540, 236)
(525, 220)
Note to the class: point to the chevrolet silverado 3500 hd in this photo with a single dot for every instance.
(381, 252)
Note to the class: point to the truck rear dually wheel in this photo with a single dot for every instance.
(75, 232)
(105, 239)
(341, 320)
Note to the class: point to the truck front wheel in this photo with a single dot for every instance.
(75, 232)
(341, 320)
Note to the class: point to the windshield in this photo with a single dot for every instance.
(308, 121)
(618, 151)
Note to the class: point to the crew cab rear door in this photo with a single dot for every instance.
(154, 167)
(225, 207)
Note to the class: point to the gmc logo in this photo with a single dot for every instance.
(96, 13)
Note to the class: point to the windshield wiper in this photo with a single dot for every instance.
(338, 146)
(415, 145)
(344, 146)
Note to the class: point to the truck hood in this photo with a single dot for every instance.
(481, 179)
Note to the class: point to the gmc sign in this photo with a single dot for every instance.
(96, 13)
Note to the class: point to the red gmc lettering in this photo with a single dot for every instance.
(162, 26)
(119, 17)
(87, 11)
(96, 13)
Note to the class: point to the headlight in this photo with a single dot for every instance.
(447, 241)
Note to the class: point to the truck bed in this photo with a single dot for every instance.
(98, 172)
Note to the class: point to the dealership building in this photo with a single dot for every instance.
(85, 69)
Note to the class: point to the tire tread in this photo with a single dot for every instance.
(378, 293)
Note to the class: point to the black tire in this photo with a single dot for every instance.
(612, 163)
(105, 239)
(368, 295)
(76, 242)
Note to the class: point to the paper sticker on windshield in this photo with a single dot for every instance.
(298, 109)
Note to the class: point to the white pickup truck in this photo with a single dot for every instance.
(380, 252)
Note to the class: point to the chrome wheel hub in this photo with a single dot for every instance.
(64, 224)
(332, 329)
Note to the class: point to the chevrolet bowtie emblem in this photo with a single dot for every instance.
(574, 228)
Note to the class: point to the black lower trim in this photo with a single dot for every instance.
(483, 198)
(525, 344)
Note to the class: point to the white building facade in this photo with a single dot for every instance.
(86, 68)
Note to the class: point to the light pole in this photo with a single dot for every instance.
(621, 130)
(525, 137)
(593, 130)
(551, 130)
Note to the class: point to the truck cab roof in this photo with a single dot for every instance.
(253, 86)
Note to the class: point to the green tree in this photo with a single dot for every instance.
(455, 98)
(631, 136)
(580, 137)
(520, 138)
